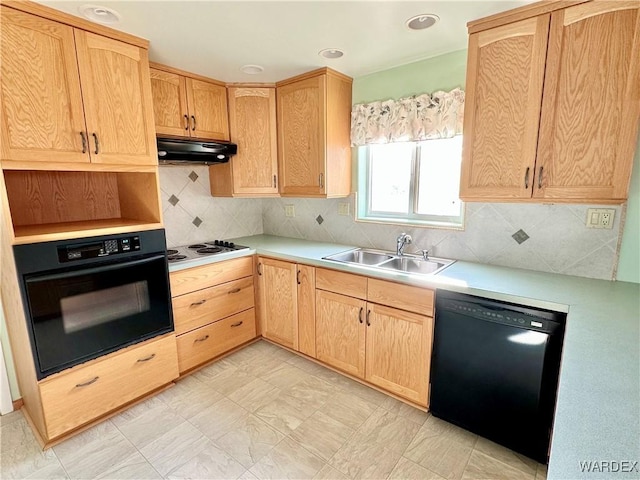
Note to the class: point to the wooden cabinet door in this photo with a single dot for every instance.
(252, 124)
(42, 115)
(591, 102)
(116, 90)
(278, 304)
(399, 352)
(340, 332)
(505, 73)
(207, 110)
(306, 278)
(169, 103)
(301, 137)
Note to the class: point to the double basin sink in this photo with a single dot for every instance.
(379, 259)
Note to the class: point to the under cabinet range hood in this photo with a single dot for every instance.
(173, 151)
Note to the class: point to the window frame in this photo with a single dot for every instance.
(364, 212)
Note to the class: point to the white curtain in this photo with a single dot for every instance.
(410, 119)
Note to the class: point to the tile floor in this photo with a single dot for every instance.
(264, 413)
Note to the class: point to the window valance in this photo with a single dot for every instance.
(420, 117)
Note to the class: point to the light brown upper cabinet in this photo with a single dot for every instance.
(73, 96)
(314, 122)
(186, 105)
(553, 104)
(253, 171)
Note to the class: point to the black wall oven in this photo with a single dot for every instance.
(87, 297)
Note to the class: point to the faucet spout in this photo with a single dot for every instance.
(402, 240)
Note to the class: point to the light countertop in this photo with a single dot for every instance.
(598, 410)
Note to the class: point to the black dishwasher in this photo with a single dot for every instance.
(494, 370)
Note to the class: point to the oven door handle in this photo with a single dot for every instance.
(92, 270)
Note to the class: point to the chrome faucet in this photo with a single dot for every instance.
(402, 240)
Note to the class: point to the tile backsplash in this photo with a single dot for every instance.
(550, 238)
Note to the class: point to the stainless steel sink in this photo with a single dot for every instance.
(378, 259)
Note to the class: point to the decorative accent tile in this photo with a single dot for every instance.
(193, 176)
(173, 200)
(197, 221)
(319, 219)
(520, 236)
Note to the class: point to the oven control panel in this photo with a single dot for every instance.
(103, 248)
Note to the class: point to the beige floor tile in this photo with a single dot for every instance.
(219, 419)
(134, 467)
(541, 472)
(481, 467)
(442, 448)
(248, 476)
(255, 394)
(330, 473)
(8, 418)
(210, 463)
(306, 365)
(285, 413)
(250, 440)
(312, 392)
(359, 458)
(322, 435)
(404, 410)
(21, 454)
(503, 454)
(260, 365)
(348, 409)
(286, 376)
(94, 451)
(229, 381)
(190, 396)
(405, 469)
(51, 472)
(144, 422)
(287, 460)
(388, 429)
(213, 370)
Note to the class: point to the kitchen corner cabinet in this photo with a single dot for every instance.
(552, 105)
(376, 330)
(186, 105)
(253, 171)
(314, 127)
(69, 95)
(213, 310)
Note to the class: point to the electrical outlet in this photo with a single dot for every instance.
(343, 209)
(600, 217)
(289, 211)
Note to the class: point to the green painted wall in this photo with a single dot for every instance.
(629, 263)
(444, 72)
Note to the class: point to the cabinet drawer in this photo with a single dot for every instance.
(203, 344)
(199, 308)
(87, 392)
(405, 297)
(342, 283)
(197, 278)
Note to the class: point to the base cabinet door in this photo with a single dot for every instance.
(340, 332)
(278, 301)
(398, 351)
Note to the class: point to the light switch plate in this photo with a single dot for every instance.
(343, 209)
(289, 211)
(600, 217)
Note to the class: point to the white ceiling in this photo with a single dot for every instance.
(215, 38)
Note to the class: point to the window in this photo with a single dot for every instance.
(415, 183)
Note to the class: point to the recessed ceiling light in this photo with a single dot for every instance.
(252, 69)
(422, 21)
(96, 13)
(331, 53)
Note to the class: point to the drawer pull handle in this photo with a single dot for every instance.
(235, 290)
(186, 122)
(95, 139)
(201, 339)
(360, 314)
(195, 304)
(236, 324)
(84, 142)
(86, 384)
(259, 269)
(526, 178)
(194, 123)
(298, 277)
(146, 359)
(368, 316)
(540, 177)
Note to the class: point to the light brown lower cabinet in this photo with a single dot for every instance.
(386, 346)
(213, 309)
(84, 393)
